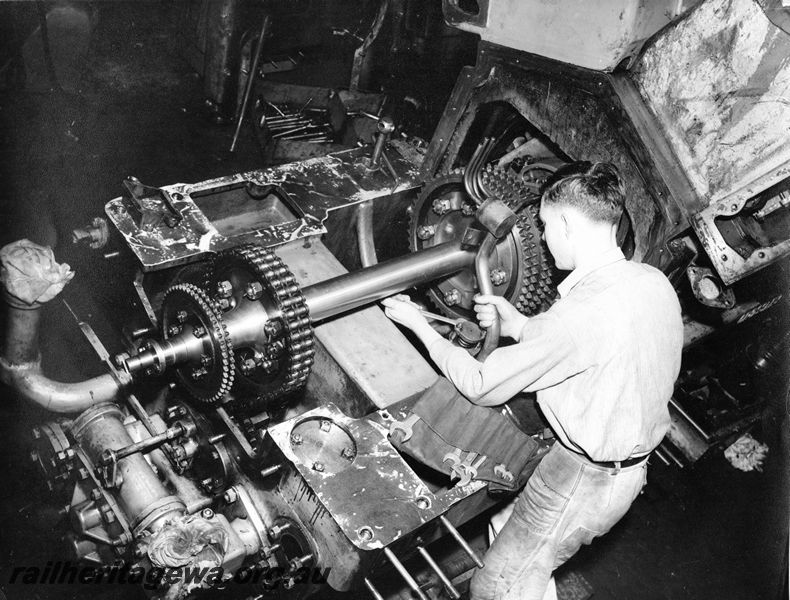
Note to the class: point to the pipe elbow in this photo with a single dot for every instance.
(30, 383)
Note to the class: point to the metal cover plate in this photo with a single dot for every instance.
(377, 498)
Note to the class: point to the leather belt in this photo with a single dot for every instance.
(623, 464)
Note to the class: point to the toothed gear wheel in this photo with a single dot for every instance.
(283, 360)
(186, 306)
(522, 270)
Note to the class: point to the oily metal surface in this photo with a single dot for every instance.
(376, 498)
(309, 189)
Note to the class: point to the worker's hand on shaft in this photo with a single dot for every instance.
(488, 307)
(402, 310)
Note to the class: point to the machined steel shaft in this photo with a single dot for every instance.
(324, 300)
(358, 288)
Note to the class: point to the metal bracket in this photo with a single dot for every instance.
(149, 201)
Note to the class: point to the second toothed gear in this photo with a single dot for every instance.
(521, 268)
(187, 307)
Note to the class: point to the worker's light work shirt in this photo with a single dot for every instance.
(603, 360)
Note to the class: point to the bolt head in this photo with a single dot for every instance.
(108, 514)
(318, 466)
(181, 316)
(199, 373)
(274, 350)
(225, 304)
(273, 328)
(224, 289)
(173, 330)
(277, 530)
(270, 366)
(247, 366)
(452, 297)
(425, 232)
(254, 290)
(207, 513)
(441, 206)
(230, 496)
(199, 331)
(498, 277)
(121, 359)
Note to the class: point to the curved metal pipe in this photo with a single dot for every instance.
(20, 367)
(31, 383)
(472, 179)
(365, 240)
(483, 270)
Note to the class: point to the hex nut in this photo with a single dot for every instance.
(254, 290)
(452, 297)
(224, 289)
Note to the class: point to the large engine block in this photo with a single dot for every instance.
(261, 451)
(245, 426)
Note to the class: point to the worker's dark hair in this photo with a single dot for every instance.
(595, 189)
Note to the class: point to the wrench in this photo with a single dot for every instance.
(442, 318)
(502, 472)
(405, 427)
(454, 458)
(469, 468)
(460, 467)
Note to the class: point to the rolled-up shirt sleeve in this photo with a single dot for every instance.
(544, 355)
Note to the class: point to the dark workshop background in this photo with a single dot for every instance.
(111, 94)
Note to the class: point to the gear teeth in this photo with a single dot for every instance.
(537, 290)
(219, 336)
(280, 284)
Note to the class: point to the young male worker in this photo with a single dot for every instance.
(603, 360)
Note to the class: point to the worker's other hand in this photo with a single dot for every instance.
(488, 306)
(402, 310)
